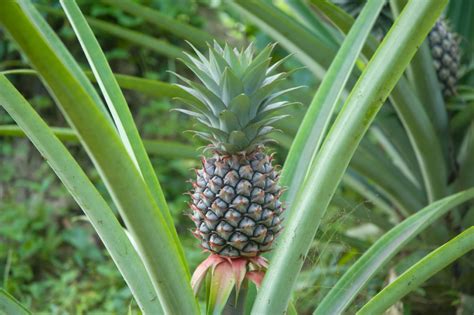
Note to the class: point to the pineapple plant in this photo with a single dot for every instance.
(235, 198)
(236, 106)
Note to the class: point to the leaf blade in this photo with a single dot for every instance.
(120, 112)
(354, 279)
(319, 114)
(102, 143)
(9, 305)
(289, 33)
(428, 266)
(84, 192)
(155, 17)
(365, 100)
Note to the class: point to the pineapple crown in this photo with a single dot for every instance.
(236, 100)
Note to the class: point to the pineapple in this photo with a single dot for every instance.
(446, 57)
(235, 203)
(235, 198)
(444, 44)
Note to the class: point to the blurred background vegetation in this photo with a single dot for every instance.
(51, 258)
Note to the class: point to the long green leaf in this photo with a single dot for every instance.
(423, 138)
(108, 85)
(319, 114)
(291, 165)
(128, 190)
(394, 141)
(459, 14)
(285, 141)
(63, 134)
(342, 20)
(361, 212)
(355, 278)
(424, 80)
(313, 22)
(161, 148)
(411, 112)
(411, 279)
(312, 51)
(365, 100)
(120, 112)
(10, 306)
(171, 150)
(86, 195)
(369, 162)
(462, 118)
(358, 184)
(152, 88)
(160, 46)
(163, 21)
(465, 158)
(66, 58)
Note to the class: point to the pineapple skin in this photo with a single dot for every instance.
(235, 204)
(446, 56)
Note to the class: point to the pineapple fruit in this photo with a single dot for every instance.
(235, 198)
(444, 47)
(235, 203)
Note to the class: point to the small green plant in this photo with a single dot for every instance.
(237, 109)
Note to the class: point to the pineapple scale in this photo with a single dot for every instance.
(235, 204)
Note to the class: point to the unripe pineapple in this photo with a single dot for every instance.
(235, 204)
(235, 201)
(446, 56)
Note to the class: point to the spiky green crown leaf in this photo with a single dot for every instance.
(236, 98)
